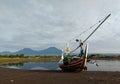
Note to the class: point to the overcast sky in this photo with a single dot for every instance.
(39, 24)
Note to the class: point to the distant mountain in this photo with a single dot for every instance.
(28, 51)
(51, 51)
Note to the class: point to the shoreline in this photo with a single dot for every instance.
(15, 76)
(105, 59)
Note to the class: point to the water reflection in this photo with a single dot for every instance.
(104, 65)
(13, 64)
(33, 65)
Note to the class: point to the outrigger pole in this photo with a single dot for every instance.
(81, 44)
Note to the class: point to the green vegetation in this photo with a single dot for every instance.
(103, 56)
(8, 59)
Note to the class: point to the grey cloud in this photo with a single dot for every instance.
(43, 23)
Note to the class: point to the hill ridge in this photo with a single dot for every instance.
(29, 51)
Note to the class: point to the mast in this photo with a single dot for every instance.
(81, 44)
(97, 27)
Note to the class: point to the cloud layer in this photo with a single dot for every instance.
(39, 24)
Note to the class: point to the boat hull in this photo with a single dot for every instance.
(73, 66)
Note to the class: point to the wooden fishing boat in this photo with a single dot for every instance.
(73, 63)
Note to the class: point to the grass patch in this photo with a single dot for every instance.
(21, 59)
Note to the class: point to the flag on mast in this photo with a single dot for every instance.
(67, 49)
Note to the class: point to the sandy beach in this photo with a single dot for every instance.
(13, 76)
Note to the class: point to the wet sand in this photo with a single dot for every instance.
(13, 76)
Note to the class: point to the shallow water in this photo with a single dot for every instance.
(104, 65)
(34, 66)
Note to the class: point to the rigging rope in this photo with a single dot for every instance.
(83, 33)
(101, 21)
(86, 30)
